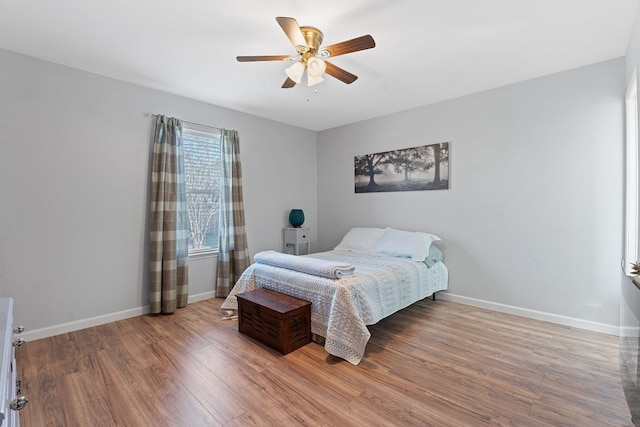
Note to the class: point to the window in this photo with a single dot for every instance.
(631, 172)
(202, 171)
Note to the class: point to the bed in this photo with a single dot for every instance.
(376, 276)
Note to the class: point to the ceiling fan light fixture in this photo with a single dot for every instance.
(295, 72)
(311, 55)
(316, 67)
(313, 80)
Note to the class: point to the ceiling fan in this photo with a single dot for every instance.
(307, 41)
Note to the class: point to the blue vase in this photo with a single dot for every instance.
(296, 217)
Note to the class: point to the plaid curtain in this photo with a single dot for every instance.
(234, 253)
(168, 237)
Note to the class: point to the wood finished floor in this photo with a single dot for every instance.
(435, 363)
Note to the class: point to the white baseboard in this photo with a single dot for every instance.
(99, 320)
(533, 314)
(201, 297)
(83, 324)
(503, 308)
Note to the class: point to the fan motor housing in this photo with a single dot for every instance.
(313, 37)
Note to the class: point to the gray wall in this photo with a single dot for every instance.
(633, 48)
(531, 224)
(533, 217)
(74, 167)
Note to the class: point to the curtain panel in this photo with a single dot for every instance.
(168, 230)
(233, 256)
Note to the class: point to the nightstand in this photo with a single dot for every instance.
(296, 237)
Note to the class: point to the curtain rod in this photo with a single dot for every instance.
(190, 123)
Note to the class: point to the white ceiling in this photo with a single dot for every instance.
(427, 50)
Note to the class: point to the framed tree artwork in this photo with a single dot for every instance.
(410, 169)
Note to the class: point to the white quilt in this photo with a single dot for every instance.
(341, 309)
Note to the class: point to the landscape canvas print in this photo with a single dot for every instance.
(410, 169)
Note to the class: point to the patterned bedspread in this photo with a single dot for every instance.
(341, 309)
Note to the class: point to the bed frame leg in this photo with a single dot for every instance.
(433, 296)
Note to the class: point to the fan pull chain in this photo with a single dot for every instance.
(315, 92)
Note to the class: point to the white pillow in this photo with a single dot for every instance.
(406, 244)
(360, 239)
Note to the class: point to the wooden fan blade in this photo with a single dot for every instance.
(292, 30)
(263, 58)
(288, 83)
(353, 45)
(339, 73)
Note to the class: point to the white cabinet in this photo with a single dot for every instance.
(10, 401)
(298, 237)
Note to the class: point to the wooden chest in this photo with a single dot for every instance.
(280, 321)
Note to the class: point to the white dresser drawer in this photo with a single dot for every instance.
(10, 402)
